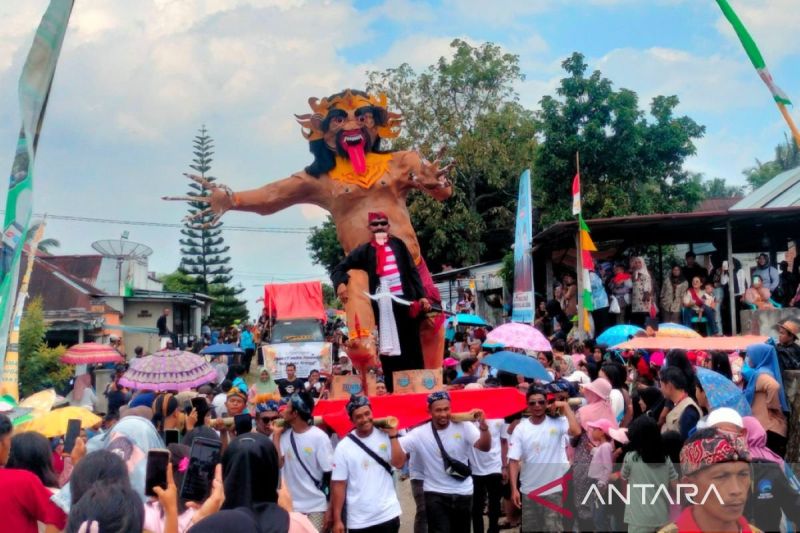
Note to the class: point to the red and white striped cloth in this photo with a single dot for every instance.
(391, 272)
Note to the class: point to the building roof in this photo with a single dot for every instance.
(60, 290)
(83, 267)
(717, 204)
(750, 228)
(781, 191)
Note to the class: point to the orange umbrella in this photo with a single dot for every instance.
(725, 344)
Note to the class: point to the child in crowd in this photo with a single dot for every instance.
(602, 465)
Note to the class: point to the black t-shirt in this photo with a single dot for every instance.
(161, 324)
(287, 388)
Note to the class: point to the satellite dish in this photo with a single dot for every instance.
(121, 249)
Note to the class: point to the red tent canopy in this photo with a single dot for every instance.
(287, 301)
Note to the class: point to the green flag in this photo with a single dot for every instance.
(34, 90)
(753, 52)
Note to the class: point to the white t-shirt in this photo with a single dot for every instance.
(371, 497)
(491, 462)
(541, 450)
(457, 438)
(316, 452)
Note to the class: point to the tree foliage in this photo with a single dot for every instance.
(787, 157)
(39, 365)
(180, 281)
(205, 255)
(629, 162)
(323, 245)
(719, 188)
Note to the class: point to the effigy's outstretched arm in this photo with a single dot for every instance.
(266, 200)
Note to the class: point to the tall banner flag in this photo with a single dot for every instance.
(760, 65)
(523, 301)
(585, 247)
(34, 90)
(10, 377)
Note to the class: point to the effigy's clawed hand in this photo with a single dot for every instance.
(219, 201)
(434, 175)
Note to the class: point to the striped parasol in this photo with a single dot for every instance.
(90, 353)
(670, 329)
(168, 370)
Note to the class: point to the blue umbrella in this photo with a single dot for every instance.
(517, 363)
(220, 349)
(722, 392)
(466, 319)
(617, 334)
(492, 345)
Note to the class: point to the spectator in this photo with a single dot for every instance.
(621, 287)
(672, 293)
(758, 295)
(769, 274)
(710, 300)
(314, 386)
(264, 386)
(684, 415)
(239, 382)
(114, 508)
(693, 269)
(651, 403)
(82, 394)
(218, 403)
(599, 304)
(772, 493)
(647, 463)
(24, 499)
(642, 292)
(161, 324)
(291, 383)
(766, 395)
(787, 347)
(695, 307)
(266, 414)
(138, 352)
(722, 364)
(247, 344)
(786, 286)
(569, 298)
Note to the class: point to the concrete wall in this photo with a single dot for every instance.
(143, 314)
(762, 322)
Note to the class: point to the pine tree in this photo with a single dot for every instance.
(203, 248)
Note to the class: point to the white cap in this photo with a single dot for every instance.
(724, 414)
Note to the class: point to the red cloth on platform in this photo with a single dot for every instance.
(412, 409)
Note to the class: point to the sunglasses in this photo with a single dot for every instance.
(537, 402)
(378, 223)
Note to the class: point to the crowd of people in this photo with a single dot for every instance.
(691, 294)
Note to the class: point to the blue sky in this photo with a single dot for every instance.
(137, 79)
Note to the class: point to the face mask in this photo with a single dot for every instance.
(747, 372)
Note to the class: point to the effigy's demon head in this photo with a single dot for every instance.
(349, 124)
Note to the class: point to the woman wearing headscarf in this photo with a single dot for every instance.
(772, 491)
(765, 393)
(130, 439)
(166, 414)
(642, 292)
(265, 385)
(251, 475)
(672, 295)
(651, 401)
(598, 407)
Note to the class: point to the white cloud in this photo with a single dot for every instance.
(771, 23)
(714, 84)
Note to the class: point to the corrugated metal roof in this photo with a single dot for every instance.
(781, 191)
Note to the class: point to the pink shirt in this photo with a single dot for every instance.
(602, 462)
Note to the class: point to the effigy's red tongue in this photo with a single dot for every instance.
(356, 155)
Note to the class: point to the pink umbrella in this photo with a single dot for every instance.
(88, 353)
(522, 336)
(168, 370)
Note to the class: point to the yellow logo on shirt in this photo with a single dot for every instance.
(308, 451)
(383, 447)
(553, 432)
(457, 436)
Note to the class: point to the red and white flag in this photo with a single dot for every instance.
(576, 194)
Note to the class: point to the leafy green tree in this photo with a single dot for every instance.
(629, 163)
(329, 297)
(39, 365)
(203, 248)
(466, 105)
(719, 188)
(787, 157)
(180, 281)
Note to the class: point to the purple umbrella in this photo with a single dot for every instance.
(168, 370)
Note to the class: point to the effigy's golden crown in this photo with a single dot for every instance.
(347, 101)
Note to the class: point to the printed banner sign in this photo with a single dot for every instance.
(522, 300)
(307, 356)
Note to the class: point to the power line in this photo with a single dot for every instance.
(251, 229)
